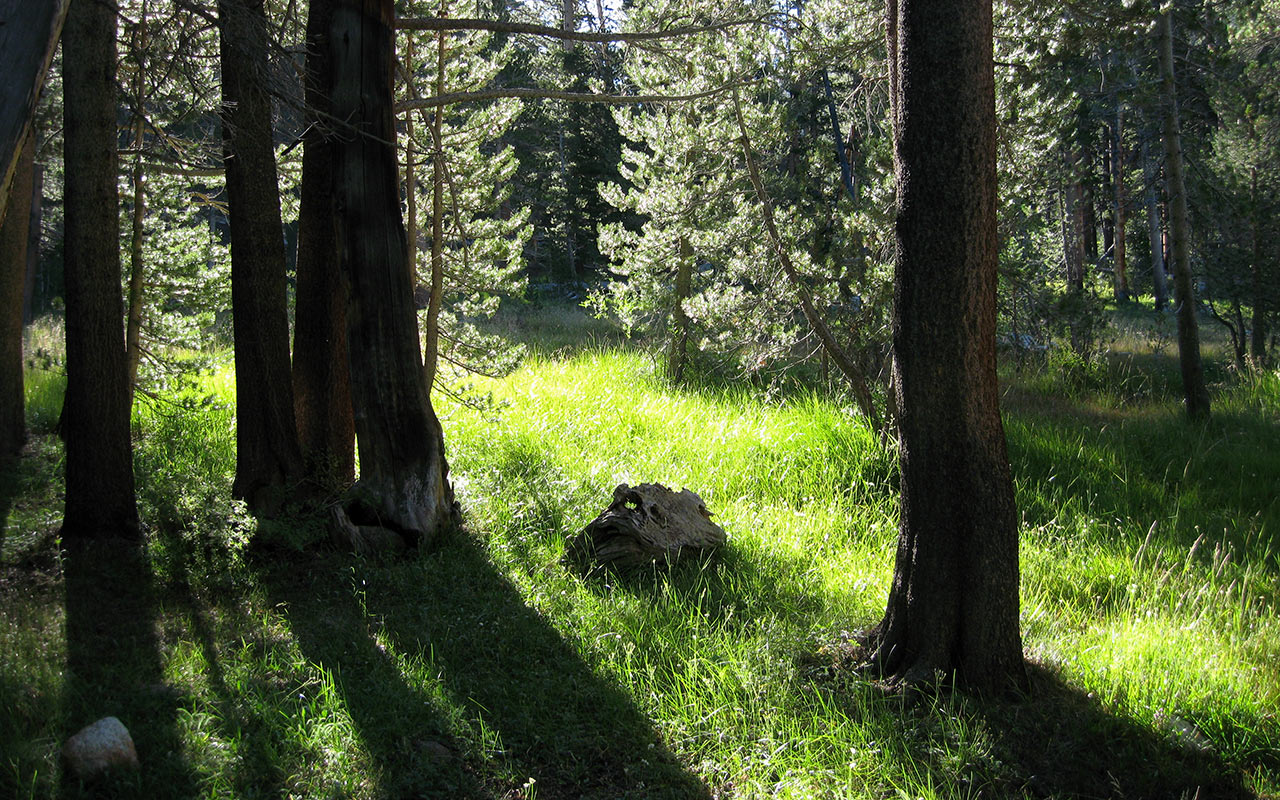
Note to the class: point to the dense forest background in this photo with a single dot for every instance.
(538, 249)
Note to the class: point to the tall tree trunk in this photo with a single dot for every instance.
(1073, 235)
(13, 272)
(33, 244)
(137, 278)
(1193, 385)
(403, 474)
(953, 605)
(1120, 276)
(1155, 228)
(1258, 338)
(268, 456)
(321, 376)
(95, 419)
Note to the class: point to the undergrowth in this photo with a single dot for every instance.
(484, 666)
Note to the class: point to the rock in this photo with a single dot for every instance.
(101, 746)
(646, 524)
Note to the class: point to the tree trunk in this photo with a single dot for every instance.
(268, 457)
(13, 272)
(1197, 395)
(1258, 338)
(953, 605)
(677, 352)
(1155, 229)
(95, 419)
(321, 377)
(33, 244)
(28, 38)
(1120, 276)
(403, 474)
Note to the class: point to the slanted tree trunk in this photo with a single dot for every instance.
(95, 418)
(953, 605)
(268, 457)
(321, 377)
(28, 38)
(1193, 385)
(13, 272)
(1155, 228)
(403, 482)
(431, 358)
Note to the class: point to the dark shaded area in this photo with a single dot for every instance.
(532, 707)
(1055, 742)
(114, 668)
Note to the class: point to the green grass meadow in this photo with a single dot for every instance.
(483, 666)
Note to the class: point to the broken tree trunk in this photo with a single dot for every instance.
(646, 524)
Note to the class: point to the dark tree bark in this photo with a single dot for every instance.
(1118, 200)
(13, 272)
(29, 34)
(403, 482)
(137, 266)
(953, 605)
(268, 457)
(1260, 298)
(678, 346)
(33, 243)
(1193, 385)
(95, 418)
(321, 377)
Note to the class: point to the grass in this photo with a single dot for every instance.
(485, 667)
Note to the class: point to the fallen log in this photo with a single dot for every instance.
(646, 524)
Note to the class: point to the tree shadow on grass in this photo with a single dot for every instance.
(114, 668)
(1056, 742)
(458, 686)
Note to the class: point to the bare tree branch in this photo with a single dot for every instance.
(463, 24)
(548, 94)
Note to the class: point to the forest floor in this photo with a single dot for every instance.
(483, 666)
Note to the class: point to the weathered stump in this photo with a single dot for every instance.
(646, 524)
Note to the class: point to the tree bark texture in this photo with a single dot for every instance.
(268, 457)
(33, 243)
(1155, 227)
(137, 267)
(431, 358)
(953, 605)
(95, 418)
(13, 272)
(321, 375)
(678, 347)
(1193, 385)
(403, 474)
(1121, 276)
(29, 32)
(1260, 299)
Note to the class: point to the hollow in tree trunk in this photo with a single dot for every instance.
(953, 604)
(403, 482)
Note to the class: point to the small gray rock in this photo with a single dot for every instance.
(101, 746)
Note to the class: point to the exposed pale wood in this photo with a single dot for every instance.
(646, 524)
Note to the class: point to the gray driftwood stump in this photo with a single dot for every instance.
(645, 524)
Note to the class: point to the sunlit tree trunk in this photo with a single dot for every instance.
(431, 358)
(403, 482)
(95, 420)
(1197, 395)
(678, 347)
(953, 605)
(268, 457)
(321, 377)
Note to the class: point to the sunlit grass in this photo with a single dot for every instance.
(486, 667)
